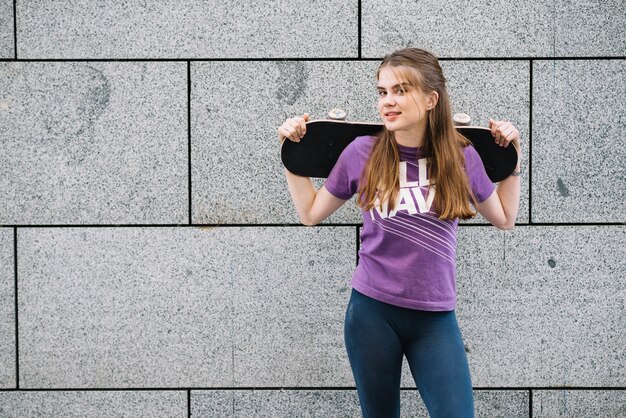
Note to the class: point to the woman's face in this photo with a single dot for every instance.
(402, 107)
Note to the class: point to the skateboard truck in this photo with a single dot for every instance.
(337, 114)
(461, 119)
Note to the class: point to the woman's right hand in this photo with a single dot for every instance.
(293, 128)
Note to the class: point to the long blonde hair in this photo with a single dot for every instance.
(443, 145)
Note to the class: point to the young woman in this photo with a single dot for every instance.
(414, 181)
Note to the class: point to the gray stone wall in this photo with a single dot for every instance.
(151, 261)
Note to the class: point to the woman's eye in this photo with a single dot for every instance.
(381, 93)
(400, 92)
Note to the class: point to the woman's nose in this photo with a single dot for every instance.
(389, 99)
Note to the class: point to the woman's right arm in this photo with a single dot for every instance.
(313, 205)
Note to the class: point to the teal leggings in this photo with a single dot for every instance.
(377, 335)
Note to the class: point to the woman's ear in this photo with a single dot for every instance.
(433, 98)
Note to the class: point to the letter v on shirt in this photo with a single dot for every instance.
(410, 194)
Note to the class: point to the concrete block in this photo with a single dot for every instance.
(579, 403)
(336, 403)
(7, 310)
(578, 171)
(478, 29)
(472, 29)
(7, 41)
(162, 307)
(93, 404)
(239, 149)
(123, 307)
(288, 328)
(188, 29)
(501, 403)
(275, 403)
(213, 403)
(236, 109)
(589, 29)
(487, 403)
(93, 142)
(543, 306)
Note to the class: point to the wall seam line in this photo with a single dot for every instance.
(15, 28)
(286, 225)
(189, 403)
(307, 388)
(530, 144)
(17, 350)
(360, 54)
(189, 139)
(314, 59)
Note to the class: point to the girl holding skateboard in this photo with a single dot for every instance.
(414, 181)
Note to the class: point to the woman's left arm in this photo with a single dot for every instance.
(502, 206)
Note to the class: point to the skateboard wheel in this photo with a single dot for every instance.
(337, 114)
(461, 119)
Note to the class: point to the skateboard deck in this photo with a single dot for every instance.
(318, 151)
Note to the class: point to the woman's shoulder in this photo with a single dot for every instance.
(357, 151)
(469, 150)
(363, 143)
(472, 158)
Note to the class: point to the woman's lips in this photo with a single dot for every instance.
(391, 116)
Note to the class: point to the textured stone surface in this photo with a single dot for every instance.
(238, 150)
(95, 142)
(590, 28)
(501, 403)
(487, 404)
(579, 403)
(161, 307)
(125, 307)
(484, 29)
(336, 403)
(578, 164)
(275, 403)
(7, 310)
(188, 29)
(93, 404)
(543, 306)
(289, 309)
(462, 29)
(7, 41)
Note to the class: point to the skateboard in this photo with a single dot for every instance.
(318, 151)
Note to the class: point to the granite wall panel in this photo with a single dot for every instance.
(589, 28)
(502, 30)
(7, 41)
(81, 29)
(7, 310)
(543, 306)
(462, 29)
(337, 403)
(579, 403)
(180, 307)
(93, 143)
(289, 308)
(578, 117)
(85, 404)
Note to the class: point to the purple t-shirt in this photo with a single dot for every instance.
(408, 255)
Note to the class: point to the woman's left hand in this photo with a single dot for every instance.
(504, 133)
